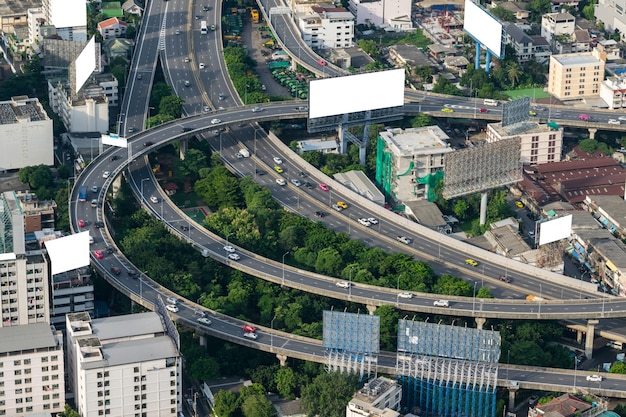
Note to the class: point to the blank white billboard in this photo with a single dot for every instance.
(356, 93)
(114, 140)
(554, 230)
(69, 252)
(85, 63)
(484, 28)
(68, 13)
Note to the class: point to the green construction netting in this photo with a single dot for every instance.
(408, 171)
(384, 168)
(431, 180)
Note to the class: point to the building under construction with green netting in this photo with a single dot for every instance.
(409, 162)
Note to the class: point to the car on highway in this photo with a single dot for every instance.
(171, 308)
(171, 300)
(319, 214)
(206, 8)
(531, 234)
(215, 121)
(343, 284)
(447, 110)
(404, 239)
(198, 16)
(177, 32)
(277, 160)
(204, 321)
(441, 303)
(98, 225)
(363, 221)
(295, 182)
(229, 249)
(504, 278)
(539, 108)
(321, 62)
(372, 220)
(154, 199)
(252, 336)
(116, 270)
(113, 158)
(471, 262)
(483, 110)
(248, 328)
(81, 223)
(132, 273)
(532, 113)
(407, 295)
(106, 174)
(584, 117)
(281, 181)
(94, 189)
(324, 187)
(342, 204)
(257, 109)
(519, 204)
(302, 174)
(594, 378)
(206, 109)
(139, 76)
(201, 65)
(131, 129)
(622, 118)
(614, 122)
(221, 96)
(147, 143)
(98, 254)
(212, 27)
(278, 169)
(234, 256)
(308, 185)
(302, 108)
(337, 207)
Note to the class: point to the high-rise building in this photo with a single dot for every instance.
(31, 370)
(540, 144)
(125, 366)
(379, 397)
(576, 76)
(611, 13)
(69, 17)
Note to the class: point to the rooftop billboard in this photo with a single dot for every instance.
(484, 28)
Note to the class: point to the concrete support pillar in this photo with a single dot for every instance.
(483, 208)
(202, 340)
(362, 155)
(115, 185)
(282, 359)
(480, 322)
(579, 336)
(343, 142)
(371, 310)
(591, 329)
(592, 132)
(183, 149)
(512, 393)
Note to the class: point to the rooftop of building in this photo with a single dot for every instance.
(560, 17)
(581, 220)
(21, 108)
(588, 235)
(372, 390)
(28, 337)
(517, 34)
(358, 182)
(566, 405)
(17, 7)
(111, 22)
(134, 351)
(582, 58)
(411, 54)
(581, 35)
(525, 127)
(539, 40)
(423, 140)
(426, 213)
(613, 205)
(613, 249)
(506, 238)
(127, 326)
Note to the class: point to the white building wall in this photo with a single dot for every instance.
(536, 147)
(553, 24)
(367, 12)
(69, 17)
(613, 92)
(34, 34)
(395, 8)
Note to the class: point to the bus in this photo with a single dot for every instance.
(203, 29)
(82, 193)
(490, 102)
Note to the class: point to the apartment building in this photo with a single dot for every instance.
(26, 135)
(81, 113)
(404, 156)
(327, 27)
(576, 76)
(611, 14)
(32, 376)
(379, 13)
(613, 92)
(539, 143)
(124, 366)
(38, 214)
(380, 397)
(112, 28)
(554, 24)
(36, 19)
(521, 42)
(69, 17)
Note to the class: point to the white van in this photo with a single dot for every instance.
(615, 345)
(490, 102)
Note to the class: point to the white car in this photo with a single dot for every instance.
(250, 335)
(343, 284)
(171, 308)
(336, 207)
(281, 181)
(594, 378)
(206, 109)
(364, 222)
(441, 303)
(257, 109)
(614, 122)
(171, 300)
(215, 121)
(234, 256)
(177, 32)
(622, 118)
(154, 199)
(373, 220)
(106, 174)
(204, 320)
(229, 249)
(202, 65)
(296, 182)
(277, 160)
(405, 295)
(404, 239)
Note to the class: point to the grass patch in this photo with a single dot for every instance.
(527, 92)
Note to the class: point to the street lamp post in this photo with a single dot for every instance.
(148, 115)
(474, 297)
(285, 254)
(227, 236)
(68, 190)
(142, 180)
(350, 283)
(272, 334)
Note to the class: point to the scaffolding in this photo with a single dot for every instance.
(384, 169)
(352, 342)
(446, 370)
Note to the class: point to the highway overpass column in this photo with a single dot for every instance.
(483, 208)
(591, 329)
(343, 141)
(512, 392)
(282, 359)
(202, 340)
(371, 310)
(480, 322)
(579, 336)
(592, 132)
(183, 148)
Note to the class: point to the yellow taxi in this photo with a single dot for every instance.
(519, 204)
(278, 169)
(447, 110)
(342, 204)
(471, 262)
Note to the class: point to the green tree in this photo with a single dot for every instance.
(503, 14)
(369, 47)
(328, 394)
(68, 412)
(171, 106)
(618, 368)
(484, 292)
(40, 179)
(620, 409)
(461, 209)
(513, 72)
(422, 120)
(286, 382)
(389, 317)
(257, 406)
(159, 91)
(328, 262)
(589, 10)
(588, 145)
(449, 285)
(443, 86)
(538, 8)
(225, 404)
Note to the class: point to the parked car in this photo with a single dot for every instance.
(519, 204)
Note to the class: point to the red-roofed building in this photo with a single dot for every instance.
(564, 406)
(112, 28)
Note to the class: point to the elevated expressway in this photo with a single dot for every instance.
(145, 291)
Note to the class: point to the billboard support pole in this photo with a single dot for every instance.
(477, 59)
(483, 208)
(488, 62)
